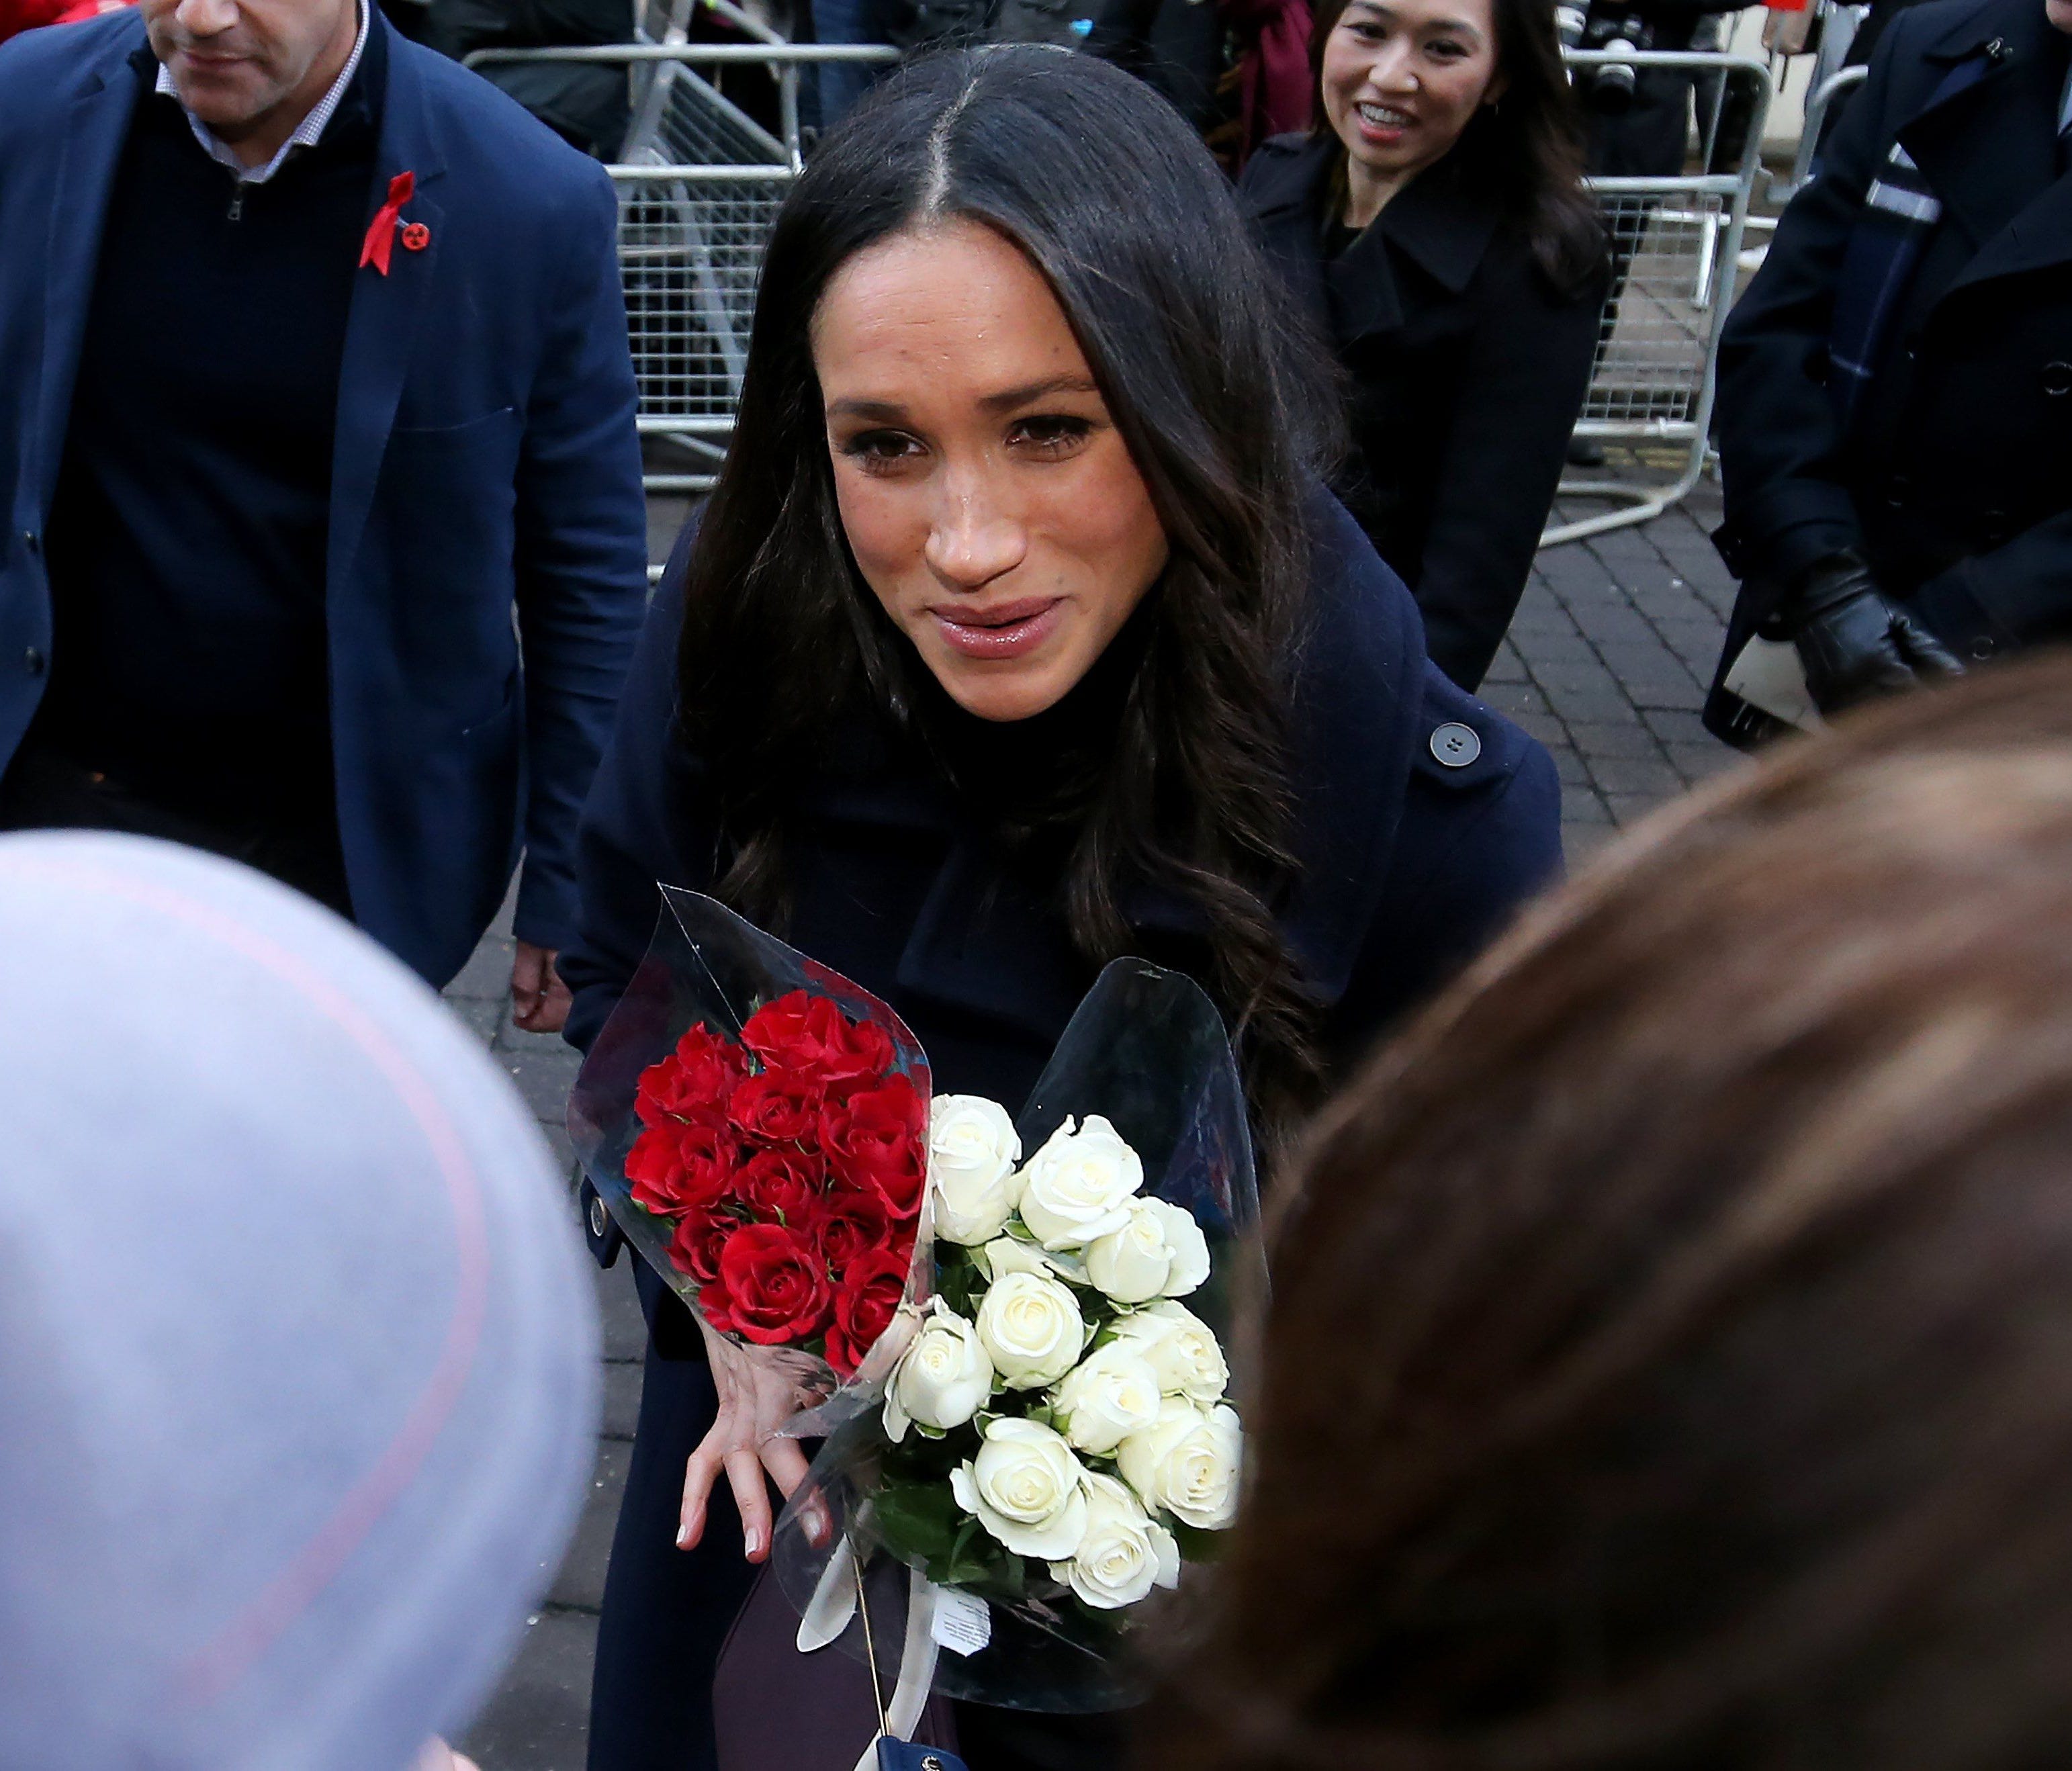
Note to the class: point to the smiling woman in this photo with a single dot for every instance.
(1435, 224)
(1017, 637)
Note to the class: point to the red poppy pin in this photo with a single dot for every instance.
(388, 222)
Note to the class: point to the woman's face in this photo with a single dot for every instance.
(1402, 78)
(987, 498)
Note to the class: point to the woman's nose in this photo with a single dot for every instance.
(973, 541)
(1391, 71)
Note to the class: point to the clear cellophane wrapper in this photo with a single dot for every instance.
(707, 965)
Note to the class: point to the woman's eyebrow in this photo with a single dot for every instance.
(1008, 398)
(884, 412)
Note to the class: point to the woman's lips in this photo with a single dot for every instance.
(1010, 630)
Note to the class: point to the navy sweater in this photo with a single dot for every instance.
(187, 541)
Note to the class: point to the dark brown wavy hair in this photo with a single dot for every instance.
(1526, 150)
(1122, 210)
(1669, 1367)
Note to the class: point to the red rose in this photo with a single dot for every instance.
(863, 1307)
(778, 1106)
(700, 1235)
(772, 1287)
(809, 1034)
(853, 1221)
(693, 1082)
(781, 1186)
(876, 1139)
(673, 1168)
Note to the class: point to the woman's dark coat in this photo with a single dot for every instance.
(1466, 371)
(1423, 820)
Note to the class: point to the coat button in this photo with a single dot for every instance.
(1983, 648)
(1456, 745)
(2057, 379)
(32, 541)
(599, 1223)
(32, 661)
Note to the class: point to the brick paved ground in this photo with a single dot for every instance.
(1606, 665)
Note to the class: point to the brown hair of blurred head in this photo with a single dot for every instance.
(1670, 1360)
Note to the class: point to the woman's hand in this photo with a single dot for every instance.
(757, 1395)
(438, 1756)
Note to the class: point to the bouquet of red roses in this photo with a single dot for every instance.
(789, 1167)
(758, 1127)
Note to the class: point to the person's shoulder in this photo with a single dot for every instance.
(1361, 628)
(1279, 170)
(1363, 657)
(1463, 745)
(43, 69)
(487, 134)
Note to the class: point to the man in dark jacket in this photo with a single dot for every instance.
(585, 105)
(325, 546)
(1895, 398)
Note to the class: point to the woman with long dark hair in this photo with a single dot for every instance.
(1016, 638)
(1435, 225)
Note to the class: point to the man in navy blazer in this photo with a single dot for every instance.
(325, 544)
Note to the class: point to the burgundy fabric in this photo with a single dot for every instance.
(1275, 86)
(774, 1709)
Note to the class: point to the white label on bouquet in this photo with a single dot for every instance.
(962, 1623)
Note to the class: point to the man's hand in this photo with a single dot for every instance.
(1855, 642)
(539, 1000)
(1785, 33)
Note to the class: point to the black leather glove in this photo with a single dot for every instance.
(1856, 642)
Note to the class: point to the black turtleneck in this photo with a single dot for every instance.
(188, 538)
(1027, 777)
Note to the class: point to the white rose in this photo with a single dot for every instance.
(1006, 1254)
(1031, 1328)
(942, 1380)
(1027, 1488)
(1078, 1185)
(1114, 1392)
(972, 1154)
(1180, 1347)
(1161, 1252)
(1124, 1552)
(1187, 1463)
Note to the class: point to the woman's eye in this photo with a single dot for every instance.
(876, 451)
(1446, 50)
(1050, 436)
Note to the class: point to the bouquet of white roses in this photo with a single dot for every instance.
(1059, 1410)
(1043, 1439)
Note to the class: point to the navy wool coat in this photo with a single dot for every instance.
(1423, 819)
(485, 458)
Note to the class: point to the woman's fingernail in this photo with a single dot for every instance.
(755, 1543)
(683, 1537)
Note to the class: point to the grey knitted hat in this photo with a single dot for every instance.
(298, 1359)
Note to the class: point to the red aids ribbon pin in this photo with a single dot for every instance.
(380, 241)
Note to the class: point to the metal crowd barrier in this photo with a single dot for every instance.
(701, 180)
(1677, 240)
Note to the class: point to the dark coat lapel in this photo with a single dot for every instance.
(1989, 153)
(88, 155)
(381, 326)
(1439, 222)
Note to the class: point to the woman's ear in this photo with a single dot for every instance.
(1500, 84)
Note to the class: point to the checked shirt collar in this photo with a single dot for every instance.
(312, 126)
